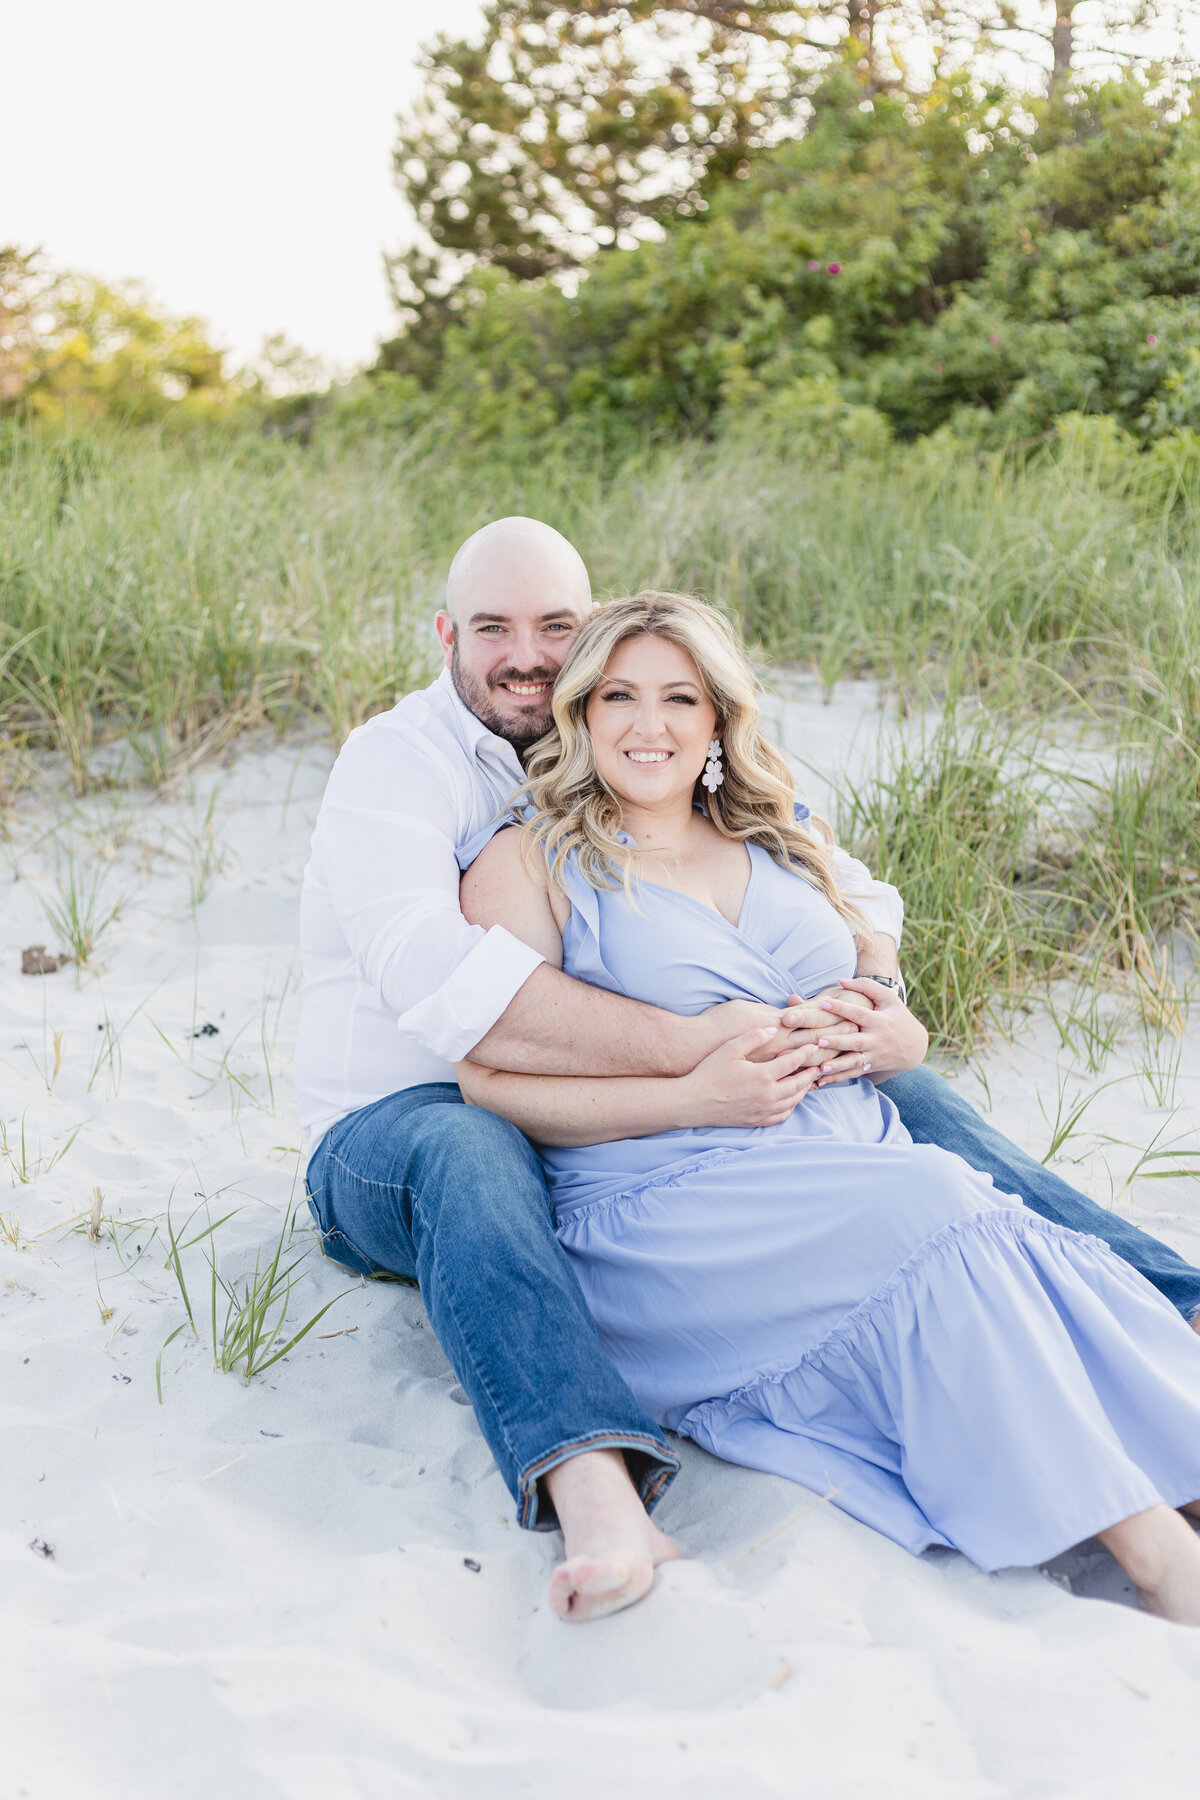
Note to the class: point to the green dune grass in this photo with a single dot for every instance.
(170, 594)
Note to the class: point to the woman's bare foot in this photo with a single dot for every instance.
(1161, 1555)
(612, 1548)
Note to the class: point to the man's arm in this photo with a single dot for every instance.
(385, 846)
(880, 957)
(726, 1088)
(383, 851)
(563, 1107)
(555, 1025)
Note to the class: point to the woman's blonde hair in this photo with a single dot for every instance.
(574, 810)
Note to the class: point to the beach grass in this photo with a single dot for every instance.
(954, 822)
(1020, 868)
(27, 1163)
(81, 913)
(246, 1318)
(173, 593)
(160, 596)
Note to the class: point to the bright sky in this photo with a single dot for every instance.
(235, 156)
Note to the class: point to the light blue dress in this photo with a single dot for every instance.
(828, 1301)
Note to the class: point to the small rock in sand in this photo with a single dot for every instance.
(36, 961)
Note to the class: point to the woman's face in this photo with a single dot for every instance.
(650, 722)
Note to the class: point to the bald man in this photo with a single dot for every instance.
(404, 1178)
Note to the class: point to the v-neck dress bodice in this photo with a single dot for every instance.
(676, 952)
(827, 1300)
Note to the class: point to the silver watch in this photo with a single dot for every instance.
(891, 981)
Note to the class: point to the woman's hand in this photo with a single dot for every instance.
(890, 1038)
(801, 1022)
(728, 1088)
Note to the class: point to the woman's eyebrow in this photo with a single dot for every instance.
(668, 687)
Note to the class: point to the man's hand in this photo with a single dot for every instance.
(889, 1037)
(802, 1022)
(728, 1088)
(729, 1019)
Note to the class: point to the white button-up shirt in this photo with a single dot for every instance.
(397, 985)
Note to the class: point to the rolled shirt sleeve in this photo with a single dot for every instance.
(879, 903)
(386, 840)
(451, 1020)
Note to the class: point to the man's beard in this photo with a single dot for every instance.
(477, 695)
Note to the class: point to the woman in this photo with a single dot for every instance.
(817, 1295)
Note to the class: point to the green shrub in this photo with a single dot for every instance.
(921, 260)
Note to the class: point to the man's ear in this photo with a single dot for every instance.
(444, 626)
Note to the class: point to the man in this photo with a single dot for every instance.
(404, 1177)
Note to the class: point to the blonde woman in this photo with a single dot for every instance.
(817, 1295)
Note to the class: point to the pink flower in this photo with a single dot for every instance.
(833, 268)
(993, 338)
(813, 266)
(1151, 339)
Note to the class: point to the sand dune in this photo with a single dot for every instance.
(309, 1587)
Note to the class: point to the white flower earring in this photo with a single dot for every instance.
(713, 774)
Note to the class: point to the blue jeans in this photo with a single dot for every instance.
(935, 1114)
(423, 1186)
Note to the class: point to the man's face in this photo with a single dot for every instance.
(503, 653)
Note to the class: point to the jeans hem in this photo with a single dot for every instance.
(665, 1465)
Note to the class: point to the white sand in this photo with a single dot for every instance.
(263, 1591)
